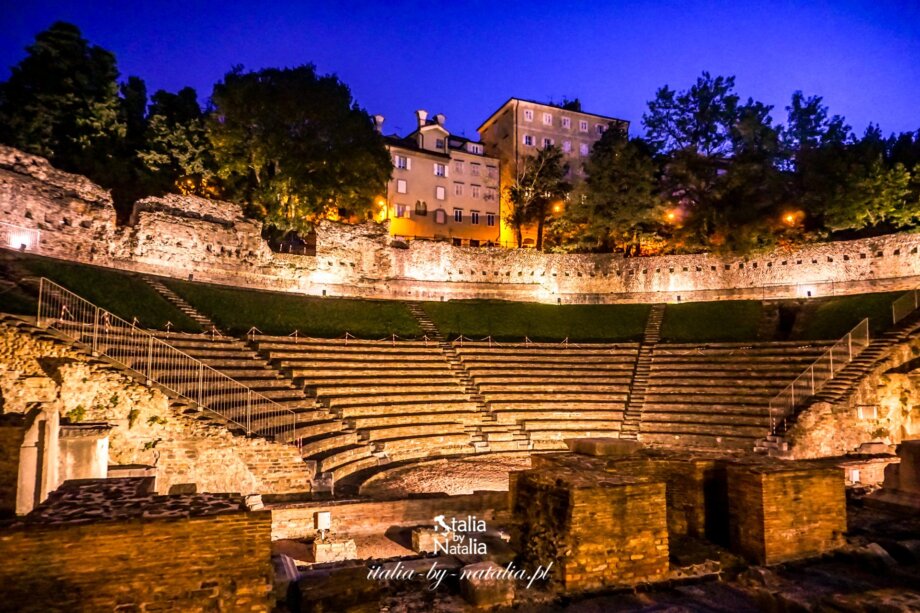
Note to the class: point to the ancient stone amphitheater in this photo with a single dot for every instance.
(284, 471)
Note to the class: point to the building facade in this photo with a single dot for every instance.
(443, 186)
(519, 128)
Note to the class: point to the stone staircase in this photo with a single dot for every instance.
(180, 303)
(838, 389)
(632, 418)
(488, 435)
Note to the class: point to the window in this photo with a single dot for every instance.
(474, 191)
(567, 146)
(547, 142)
(583, 126)
(402, 210)
(474, 218)
(458, 189)
(474, 148)
(458, 215)
(440, 193)
(440, 216)
(599, 128)
(528, 115)
(440, 170)
(402, 162)
(492, 172)
(547, 119)
(528, 140)
(583, 149)
(566, 123)
(421, 208)
(401, 187)
(458, 167)
(475, 169)
(439, 143)
(490, 194)
(490, 219)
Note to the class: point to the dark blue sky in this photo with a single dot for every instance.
(464, 59)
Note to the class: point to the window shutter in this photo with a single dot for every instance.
(408, 163)
(446, 170)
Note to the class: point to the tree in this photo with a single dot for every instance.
(61, 102)
(620, 200)
(720, 161)
(177, 151)
(294, 147)
(874, 196)
(539, 186)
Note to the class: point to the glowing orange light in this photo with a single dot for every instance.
(671, 216)
(557, 208)
(792, 218)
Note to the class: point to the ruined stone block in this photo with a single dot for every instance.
(482, 587)
(598, 530)
(424, 538)
(784, 510)
(603, 446)
(334, 551)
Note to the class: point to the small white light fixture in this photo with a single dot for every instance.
(322, 520)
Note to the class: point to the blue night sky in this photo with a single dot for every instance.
(464, 59)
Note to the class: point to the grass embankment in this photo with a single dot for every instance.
(123, 294)
(238, 310)
(727, 321)
(516, 320)
(831, 318)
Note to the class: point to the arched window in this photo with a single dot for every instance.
(421, 208)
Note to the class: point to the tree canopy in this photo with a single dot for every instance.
(294, 147)
(541, 184)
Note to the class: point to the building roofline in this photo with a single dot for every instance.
(513, 98)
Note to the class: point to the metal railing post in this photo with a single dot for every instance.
(149, 358)
(248, 411)
(41, 295)
(200, 384)
(96, 331)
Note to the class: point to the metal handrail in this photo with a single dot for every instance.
(822, 370)
(162, 363)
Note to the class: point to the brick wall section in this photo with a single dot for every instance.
(598, 530)
(783, 511)
(211, 563)
(291, 521)
(12, 431)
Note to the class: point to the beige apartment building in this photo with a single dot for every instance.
(521, 127)
(443, 186)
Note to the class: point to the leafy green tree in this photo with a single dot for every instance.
(541, 183)
(61, 102)
(294, 146)
(177, 151)
(620, 201)
(872, 197)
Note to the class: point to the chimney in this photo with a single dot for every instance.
(378, 123)
(440, 118)
(422, 117)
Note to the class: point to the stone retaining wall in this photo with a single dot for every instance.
(210, 241)
(147, 430)
(358, 517)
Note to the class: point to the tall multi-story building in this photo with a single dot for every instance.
(443, 186)
(521, 127)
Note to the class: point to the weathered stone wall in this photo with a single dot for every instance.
(884, 408)
(147, 430)
(782, 511)
(351, 517)
(211, 241)
(12, 433)
(210, 563)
